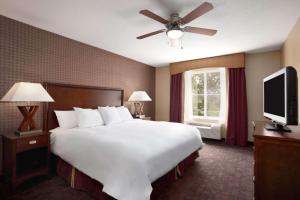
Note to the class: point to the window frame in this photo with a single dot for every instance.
(190, 92)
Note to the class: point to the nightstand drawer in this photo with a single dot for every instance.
(32, 143)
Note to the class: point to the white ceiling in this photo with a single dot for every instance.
(243, 25)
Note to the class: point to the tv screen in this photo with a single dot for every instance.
(274, 97)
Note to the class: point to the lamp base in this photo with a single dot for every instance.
(21, 133)
(139, 108)
(27, 123)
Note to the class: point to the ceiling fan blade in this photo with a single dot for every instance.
(203, 31)
(150, 34)
(201, 10)
(150, 14)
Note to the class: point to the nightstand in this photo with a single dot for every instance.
(143, 118)
(25, 157)
(146, 118)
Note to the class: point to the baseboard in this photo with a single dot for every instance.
(213, 140)
(249, 143)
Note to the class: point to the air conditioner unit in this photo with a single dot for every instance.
(212, 132)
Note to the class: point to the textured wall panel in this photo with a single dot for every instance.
(31, 54)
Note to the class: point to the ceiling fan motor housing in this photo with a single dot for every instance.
(174, 22)
(174, 18)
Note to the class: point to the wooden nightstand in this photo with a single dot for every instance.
(146, 118)
(143, 118)
(25, 157)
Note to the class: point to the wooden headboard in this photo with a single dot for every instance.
(68, 96)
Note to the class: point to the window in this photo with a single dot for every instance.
(205, 91)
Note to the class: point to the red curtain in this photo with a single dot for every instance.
(237, 126)
(176, 98)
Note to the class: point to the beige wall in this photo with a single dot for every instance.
(258, 66)
(162, 93)
(291, 51)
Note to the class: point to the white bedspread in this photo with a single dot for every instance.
(126, 157)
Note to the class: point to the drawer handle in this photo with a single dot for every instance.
(32, 142)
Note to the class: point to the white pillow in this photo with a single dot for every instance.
(88, 117)
(110, 115)
(66, 119)
(124, 113)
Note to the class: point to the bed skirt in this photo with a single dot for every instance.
(81, 181)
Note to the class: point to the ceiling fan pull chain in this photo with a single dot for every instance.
(181, 45)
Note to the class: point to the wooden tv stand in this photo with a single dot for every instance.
(276, 163)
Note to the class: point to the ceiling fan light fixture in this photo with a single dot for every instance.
(175, 43)
(175, 34)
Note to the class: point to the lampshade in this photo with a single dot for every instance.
(139, 96)
(27, 92)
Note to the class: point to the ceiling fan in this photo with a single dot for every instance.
(173, 25)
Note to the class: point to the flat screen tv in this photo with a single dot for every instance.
(280, 93)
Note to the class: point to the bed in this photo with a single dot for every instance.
(132, 160)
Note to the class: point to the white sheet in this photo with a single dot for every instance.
(126, 157)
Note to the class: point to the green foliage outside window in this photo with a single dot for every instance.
(206, 87)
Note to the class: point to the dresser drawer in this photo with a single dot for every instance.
(32, 142)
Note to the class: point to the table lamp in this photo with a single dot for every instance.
(27, 92)
(139, 97)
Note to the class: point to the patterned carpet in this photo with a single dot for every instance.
(220, 173)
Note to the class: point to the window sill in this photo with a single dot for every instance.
(202, 121)
(198, 118)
